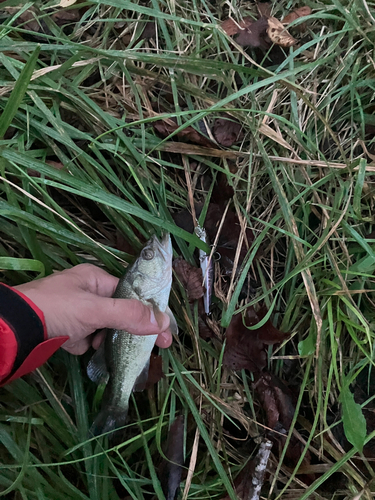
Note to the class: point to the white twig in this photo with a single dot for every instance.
(261, 461)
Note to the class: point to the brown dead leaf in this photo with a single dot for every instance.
(232, 28)
(223, 191)
(149, 31)
(55, 164)
(243, 482)
(205, 332)
(229, 235)
(63, 16)
(246, 349)
(27, 19)
(264, 9)
(249, 33)
(166, 128)
(254, 35)
(170, 469)
(278, 34)
(227, 131)
(277, 402)
(249, 482)
(289, 18)
(155, 371)
(228, 238)
(296, 13)
(191, 278)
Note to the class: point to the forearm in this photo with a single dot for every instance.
(24, 345)
(71, 305)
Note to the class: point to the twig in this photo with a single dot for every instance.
(261, 461)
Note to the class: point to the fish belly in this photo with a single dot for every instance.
(127, 356)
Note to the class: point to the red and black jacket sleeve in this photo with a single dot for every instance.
(24, 345)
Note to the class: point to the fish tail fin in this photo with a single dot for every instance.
(109, 420)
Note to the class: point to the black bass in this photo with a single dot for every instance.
(123, 359)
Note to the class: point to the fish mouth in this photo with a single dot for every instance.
(164, 245)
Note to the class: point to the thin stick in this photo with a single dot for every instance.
(261, 461)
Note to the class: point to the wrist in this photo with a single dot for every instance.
(23, 335)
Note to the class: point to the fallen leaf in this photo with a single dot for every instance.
(55, 164)
(227, 132)
(249, 482)
(296, 13)
(303, 11)
(278, 34)
(264, 8)
(162, 91)
(165, 129)
(254, 35)
(249, 33)
(27, 19)
(205, 331)
(62, 17)
(223, 191)
(292, 16)
(246, 349)
(155, 371)
(229, 236)
(149, 31)
(227, 243)
(191, 278)
(243, 482)
(277, 402)
(232, 28)
(170, 469)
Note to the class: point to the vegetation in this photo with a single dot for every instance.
(82, 168)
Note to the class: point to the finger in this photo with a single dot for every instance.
(164, 339)
(96, 280)
(98, 339)
(128, 314)
(77, 348)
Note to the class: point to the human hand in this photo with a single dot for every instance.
(77, 302)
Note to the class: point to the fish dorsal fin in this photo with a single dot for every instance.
(173, 323)
(140, 383)
(97, 368)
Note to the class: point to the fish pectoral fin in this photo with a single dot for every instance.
(140, 383)
(173, 323)
(97, 368)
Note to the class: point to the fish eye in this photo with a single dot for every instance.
(148, 254)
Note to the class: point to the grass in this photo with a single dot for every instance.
(84, 97)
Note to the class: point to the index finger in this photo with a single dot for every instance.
(95, 280)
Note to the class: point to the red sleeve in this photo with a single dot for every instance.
(24, 345)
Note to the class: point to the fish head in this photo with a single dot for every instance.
(152, 271)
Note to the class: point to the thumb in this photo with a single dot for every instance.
(131, 315)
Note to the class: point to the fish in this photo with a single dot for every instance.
(123, 359)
